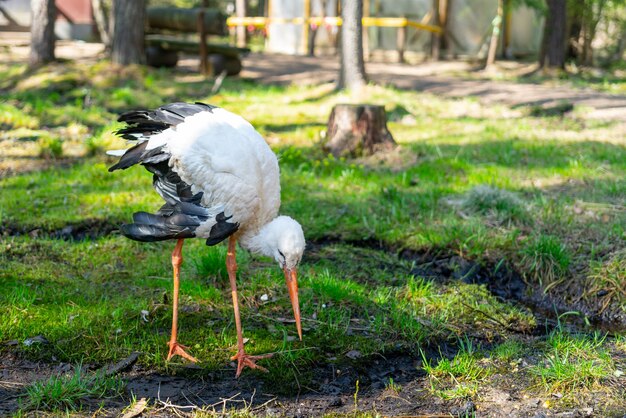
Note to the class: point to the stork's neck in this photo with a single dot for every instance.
(262, 242)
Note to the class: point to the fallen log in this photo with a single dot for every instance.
(186, 20)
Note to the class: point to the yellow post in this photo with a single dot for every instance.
(401, 42)
(240, 11)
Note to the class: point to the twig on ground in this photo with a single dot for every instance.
(491, 317)
(11, 384)
(224, 400)
(263, 405)
(122, 365)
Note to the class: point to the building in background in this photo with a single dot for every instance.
(74, 18)
(467, 31)
(468, 28)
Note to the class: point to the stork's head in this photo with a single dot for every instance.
(283, 240)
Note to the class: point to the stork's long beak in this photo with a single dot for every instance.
(291, 276)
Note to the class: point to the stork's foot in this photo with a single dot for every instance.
(179, 350)
(244, 360)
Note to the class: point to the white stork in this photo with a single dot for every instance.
(219, 180)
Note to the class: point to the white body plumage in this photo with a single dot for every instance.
(221, 155)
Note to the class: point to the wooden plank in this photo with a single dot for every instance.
(171, 43)
(14, 28)
(9, 18)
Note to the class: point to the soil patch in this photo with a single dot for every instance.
(333, 390)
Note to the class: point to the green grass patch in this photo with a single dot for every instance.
(573, 362)
(460, 376)
(68, 392)
(545, 259)
(608, 279)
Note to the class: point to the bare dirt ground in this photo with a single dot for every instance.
(437, 78)
(433, 77)
(184, 392)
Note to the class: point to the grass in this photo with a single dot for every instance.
(545, 259)
(573, 362)
(468, 180)
(458, 377)
(68, 392)
(608, 280)
(50, 147)
(500, 204)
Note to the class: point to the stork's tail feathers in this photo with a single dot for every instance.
(153, 233)
(171, 223)
(222, 229)
(148, 227)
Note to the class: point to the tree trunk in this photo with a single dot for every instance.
(621, 45)
(495, 35)
(101, 16)
(435, 38)
(42, 31)
(574, 43)
(507, 18)
(128, 32)
(357, 130)
(352, 72)
(553, 49)
(592, 15)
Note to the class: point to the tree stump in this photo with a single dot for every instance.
(357, 130)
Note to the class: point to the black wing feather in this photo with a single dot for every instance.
(221, 230)
(153, 233)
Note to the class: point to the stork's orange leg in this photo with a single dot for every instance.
(175, 348)
(242, 358)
